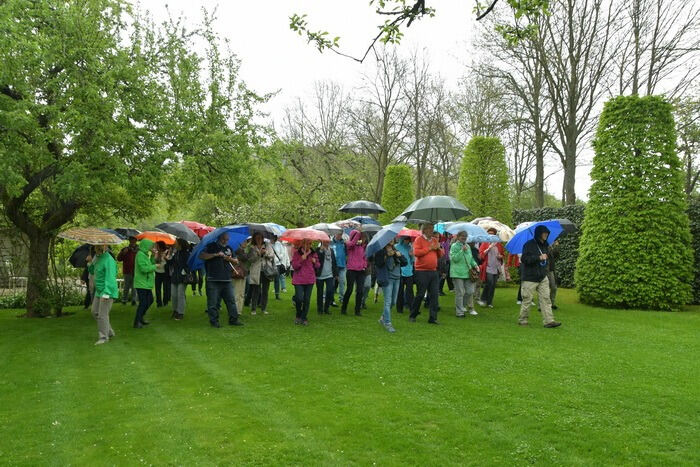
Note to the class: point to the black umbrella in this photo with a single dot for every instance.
(567, 225)
(436, 208)
(362, 207)
(179, 230)
(114, 232)
(127, 232)
(78, 259)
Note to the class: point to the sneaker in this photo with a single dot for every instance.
(101, 341)
(519, 302)
(481, 303)
(178, 317)
(381, 321)
(553, 324)
(253, 312)
(265, 312)
(334, 305)
(473, 312)
(490, 306)
(389, 327)
(235, 323)
(460, 315)
(297, 320)
(284, 290)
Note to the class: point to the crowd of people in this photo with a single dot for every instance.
(411, 273)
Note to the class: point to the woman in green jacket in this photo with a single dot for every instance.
(104, 269)
(461, 262)
(144, 279)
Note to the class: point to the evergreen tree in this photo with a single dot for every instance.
(397, 194)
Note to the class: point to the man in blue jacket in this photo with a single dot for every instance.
(534, 270)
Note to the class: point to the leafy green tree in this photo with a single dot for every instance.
(483, 179)
(397, 193)
(635, 247)
(96, 106)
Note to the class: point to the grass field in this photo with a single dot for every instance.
(608, 387)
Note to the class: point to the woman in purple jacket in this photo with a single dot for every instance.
(304, 262)
(355, 276)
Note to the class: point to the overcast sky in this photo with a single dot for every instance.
(275, 58)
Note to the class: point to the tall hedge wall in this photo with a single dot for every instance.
(569, 244)
(694, 217)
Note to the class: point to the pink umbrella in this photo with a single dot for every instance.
(298, 235)
(413, 233)
(200, 229)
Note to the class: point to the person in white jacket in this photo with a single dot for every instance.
(282, 264)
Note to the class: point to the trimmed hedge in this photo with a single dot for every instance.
(566, 266)
(635, 249)
(397, 193)
(694, 217)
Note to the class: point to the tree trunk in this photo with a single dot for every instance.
(38, 273)
(539, 169)
(570, 181)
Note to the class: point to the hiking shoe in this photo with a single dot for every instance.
(522, 324)
(101, 341)
(389, 327)
(553, 324)
(481, 303)
(473, 312)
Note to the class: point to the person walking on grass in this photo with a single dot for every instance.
(104, 268)
(535, 268)
(326, 275)
(218, 260)
(461, 263)
(178, 270)
(305, 263)
(491, 255)
(260, 257)
(356, 270)
(552, 258)
(144, 280)
(282, 265)
(388, 263)
(338, 245)
(405, 297)
(427, 251)
(127, 255)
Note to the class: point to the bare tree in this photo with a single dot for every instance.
(447, 152)
(378, 118)
(660, 44)
(687, 115)
(480, 104)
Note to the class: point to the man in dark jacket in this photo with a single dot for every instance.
(534, 278)
(326, 276)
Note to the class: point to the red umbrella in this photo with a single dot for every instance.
(200, 229)
(413, 233)
(298, 235)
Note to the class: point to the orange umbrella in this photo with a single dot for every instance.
(157, 237)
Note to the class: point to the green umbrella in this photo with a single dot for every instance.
(435, 209)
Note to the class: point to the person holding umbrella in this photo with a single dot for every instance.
(127, 255)
(260, 257)
(104, 268)
(356, 266)
(178, 270)
(405, 297)
(388, 263)
(427, 251)
(326, 275)
(218, 259)
(535, 269)
(144, 279)
(461, 263)
(491, 254)
(305, 263)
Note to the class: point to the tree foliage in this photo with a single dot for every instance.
(398, 191)
(635, 246)
(483, 180)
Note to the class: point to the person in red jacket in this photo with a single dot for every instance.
(491, 255)
(427, 251)
(127, 256)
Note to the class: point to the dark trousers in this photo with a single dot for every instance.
(216, 291)
(302, 299)
(323, 301)
(199, 280)
(427, 281)
(162, 288)
(450, 285)
(145, 300)
(489, 288)
(354, 279)
(259, 293)
(405, 297)
(520, 283)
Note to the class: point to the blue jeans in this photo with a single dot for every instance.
(390, 292)
(216, 291)
(340, 283)
(280, 283)
(302, 298)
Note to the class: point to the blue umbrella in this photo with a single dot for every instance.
(236, 233)
(484, 239)
(472, 230)
(383, 237)
(515, 245)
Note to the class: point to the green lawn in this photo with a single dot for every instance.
(608, 387)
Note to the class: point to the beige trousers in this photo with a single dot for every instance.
(239, 293)
(528, 290)
(100, 311)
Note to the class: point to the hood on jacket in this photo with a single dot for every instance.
(354, 234)
(145, 245)
(538, 232)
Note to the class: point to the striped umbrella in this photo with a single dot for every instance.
(90, 235)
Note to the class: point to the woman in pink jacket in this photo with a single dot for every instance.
(356, 266)
(305, 262)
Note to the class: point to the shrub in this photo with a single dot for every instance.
(397, 193)
(483, 179)
(694, 217)
(635, 246)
